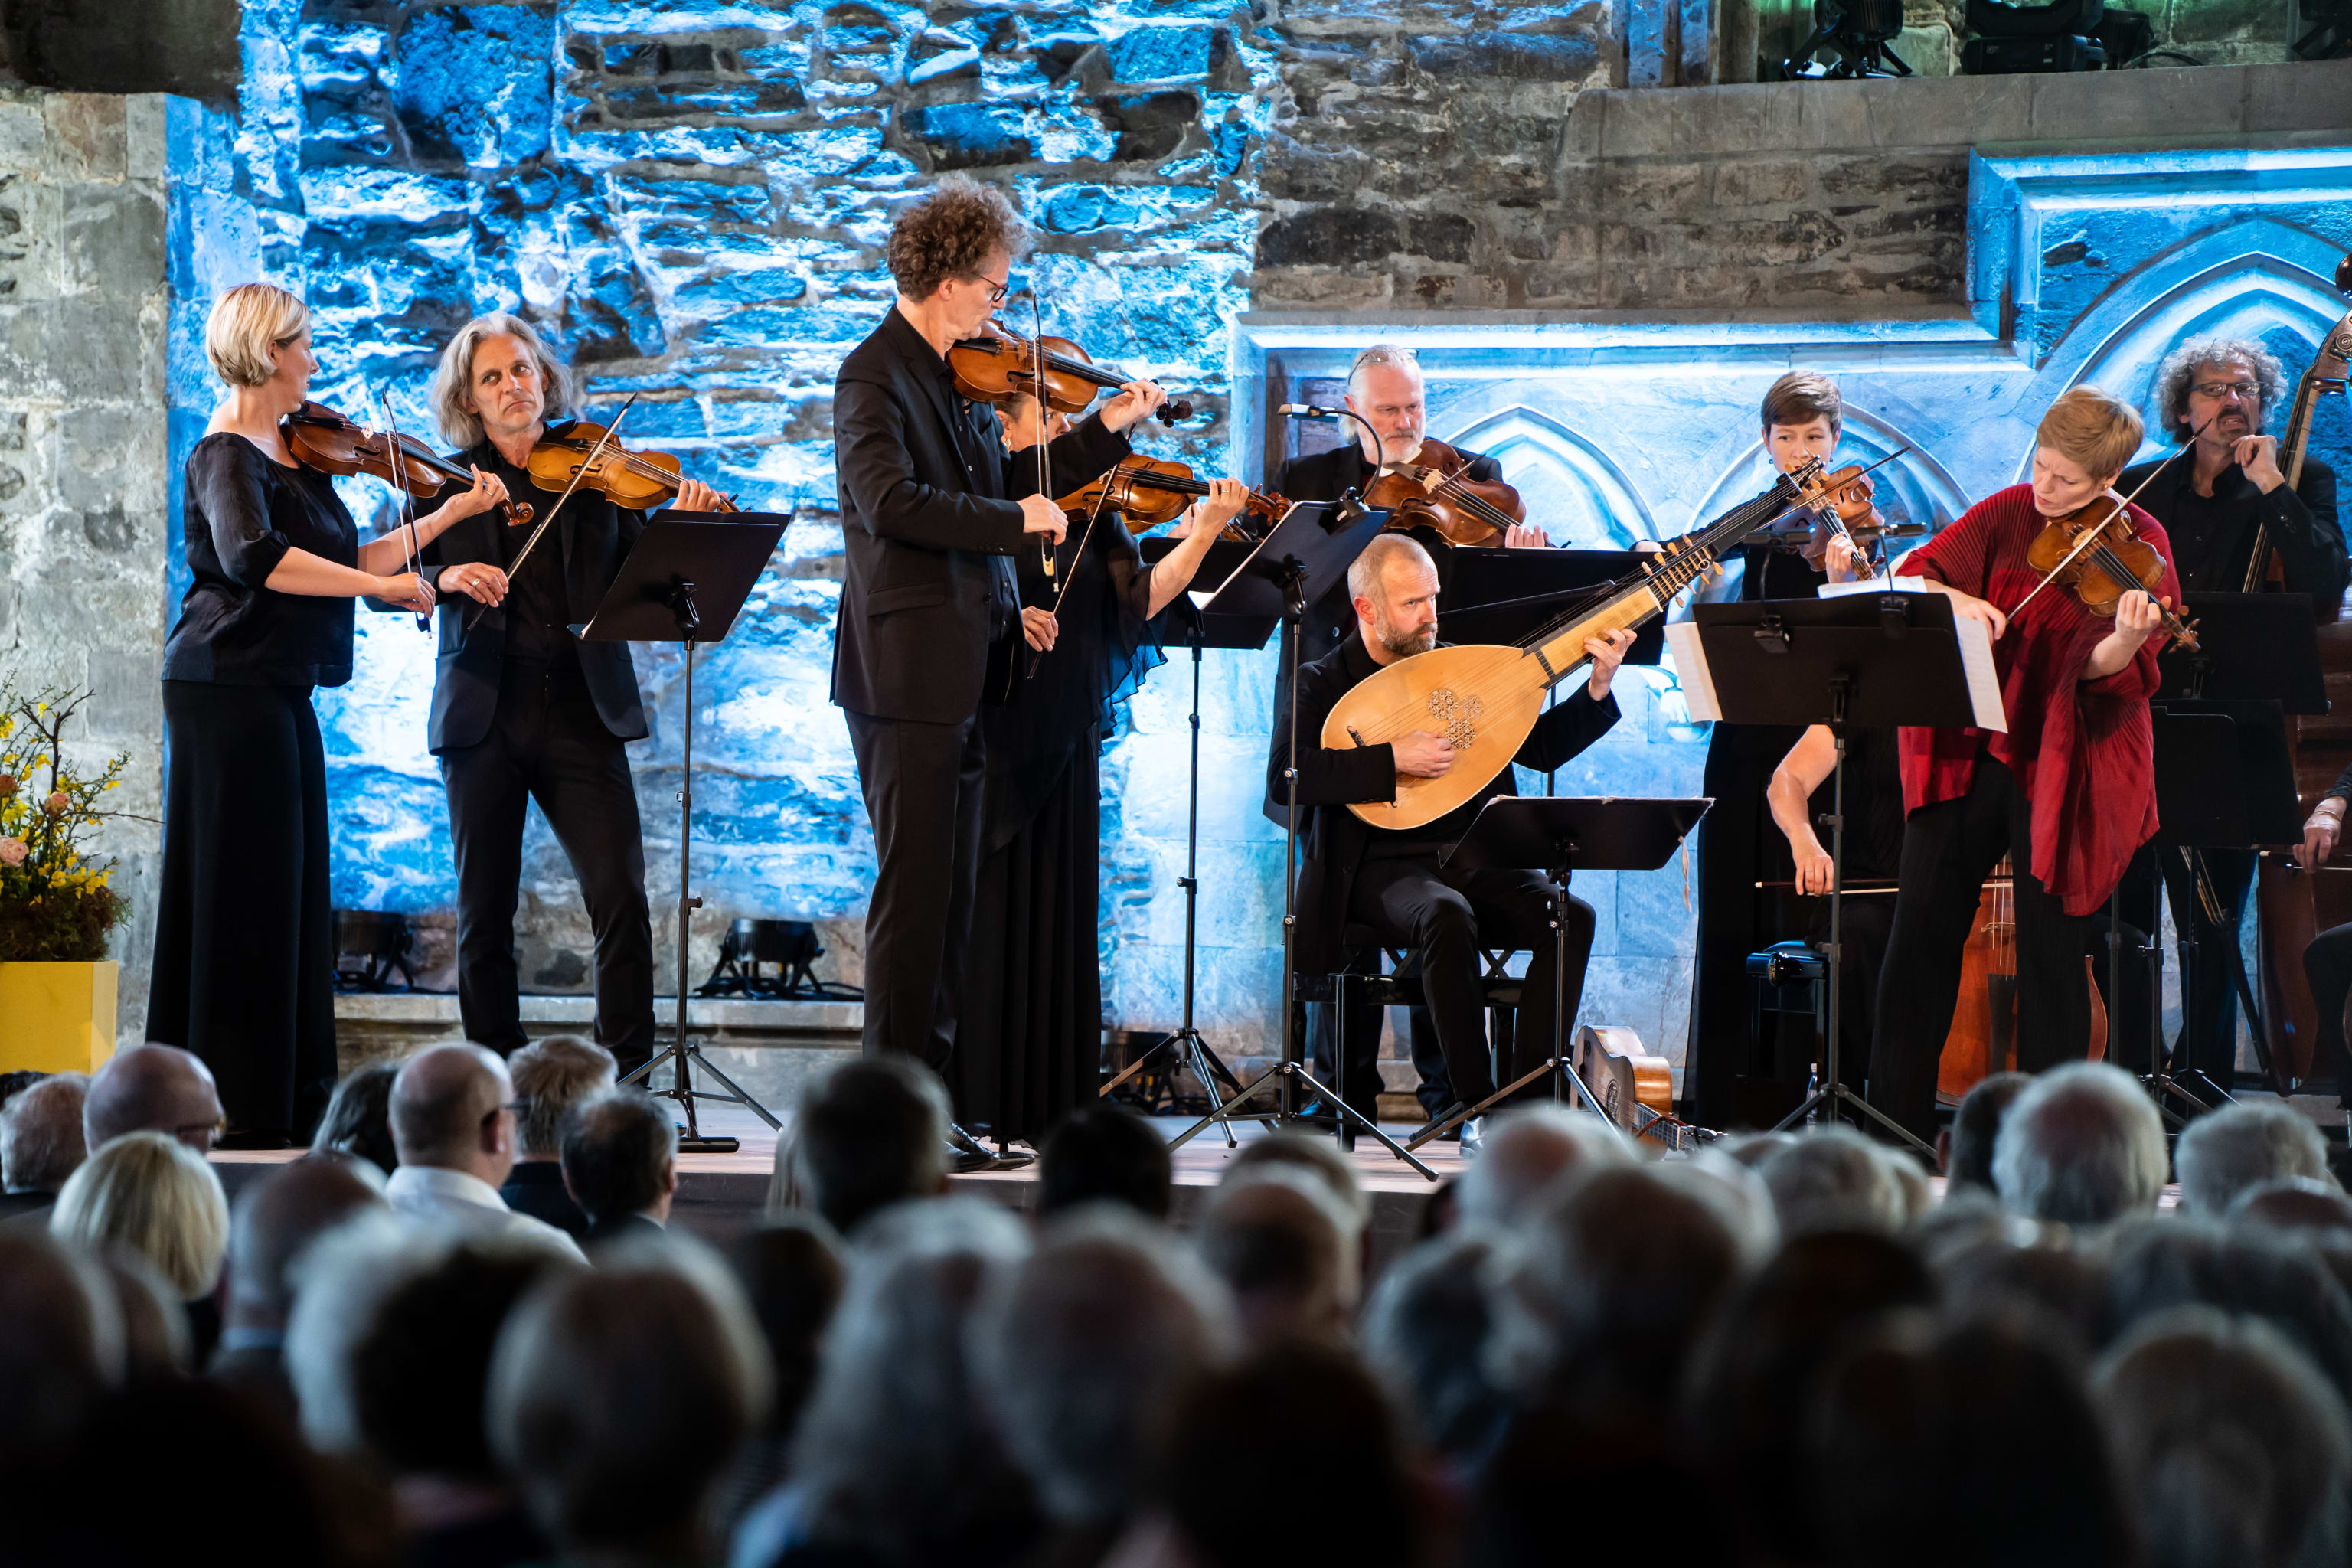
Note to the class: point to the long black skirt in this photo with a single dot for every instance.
(1029, 1036)
(244, 946)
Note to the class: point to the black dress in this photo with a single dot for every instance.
(244, 928)
(1029, 1041)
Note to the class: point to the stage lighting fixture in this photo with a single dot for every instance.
(791, 945)
(2326, 30)
(1855, 33)
(2064, 36)
(369, 945)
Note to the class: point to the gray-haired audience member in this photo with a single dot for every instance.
(274, 1223)
(2082, 1144)
(389, 1349)
(896, 1461)
(359, 1117)
(2233, 1452)
(2297, 1202)
(1287, 1251)
(1101, 1152)
(871, 1133)
(551, 1076)
(620, 1163)
(1833, 1178)
(792, 1273)
(454, 1128)
(617, 1399)
(1081, 1347)
(1424, 1333)
(2239, 1147)
(152, 1089)
(1965, 1149)
(1318, 1158)
(1526, 1152)
(40, 1144)
(2156, 1264)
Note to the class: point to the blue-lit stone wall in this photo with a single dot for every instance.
(692, 200)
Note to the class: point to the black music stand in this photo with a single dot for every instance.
(1878, 660)
(2223, 781)
(1199, 631)
(1501, 596)
(686, 581)
(1306, 555)
(1559, 836)
(2249, 646)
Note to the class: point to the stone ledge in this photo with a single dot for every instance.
(719, 1014)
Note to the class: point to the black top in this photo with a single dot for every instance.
(243, 512)
(930, 521)
(536, 1187)
(538, 614)
(2213, 536)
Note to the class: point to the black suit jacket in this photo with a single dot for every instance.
(587, 543)
(2302, 526)
(929, 520)
(620, 1227)
(1326, 475)
(536, 1187)
(1329, 779)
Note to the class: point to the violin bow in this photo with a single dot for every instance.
(1837, 518)
(399, 465)
(1101, 498)
(2093, 535)
(578, 474)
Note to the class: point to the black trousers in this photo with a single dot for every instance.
(2328, 964)
(2209, 1027)
(244, 942)
(548, 745)
(1443, 916)
(1434, 1092)
(1949, 849)
(922, 787)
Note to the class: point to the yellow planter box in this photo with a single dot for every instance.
(56, 1018)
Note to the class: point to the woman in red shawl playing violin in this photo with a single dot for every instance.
(2068, 794)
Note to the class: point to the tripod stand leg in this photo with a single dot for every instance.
(1198, 1050)
(1362, 1123)
(1226, 1113)
(734, 1089)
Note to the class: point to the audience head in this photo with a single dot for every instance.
(619, 1397)
(1616, 1277)
(1966, 1148)
(873, 1132)
(450, 1111)
(2232, 1149)
(1286, 1250)
(278, 1218)
(16, 1082)
(2046, 1278)
(2233, 1452)
(156, 1339)
(2160, 1263)
(1083, 1342)
(1526, 1152)
(2295, 1203)
(1318, 1158)
(1972, 1444)
(152, 1089)
(1425, 1332)
(550, 1076)
(152, 1193)
(40, 1133)
(620, 1157)
(894, 1456)
(792, 1273)
(359, 1117)
(1102, 1152)
(1311, 1415)
(1834, 1179)
(62, 1349)
(2083, 1144)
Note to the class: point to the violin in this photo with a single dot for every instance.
(1002, 367)
(324, 439)
(1845, 506)
(1148, 491)
(1435, 493)
(638, 481)
(2093, 553)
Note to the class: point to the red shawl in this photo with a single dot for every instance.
(2081, 748)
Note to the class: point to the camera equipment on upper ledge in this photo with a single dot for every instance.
(1856, 33)
(2326, 29)
(792, 946)
(2064, 36)
(381, 941)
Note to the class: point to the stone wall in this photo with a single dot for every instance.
(83, 490)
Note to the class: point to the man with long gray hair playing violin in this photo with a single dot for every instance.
(523, 710)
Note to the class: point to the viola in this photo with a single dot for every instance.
(1148, 491)
(1848, 509)
(1437, 492)
(1002, 367)
(637, 480)
(324, 439)
(2093, 553)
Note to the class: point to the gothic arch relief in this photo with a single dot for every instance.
(1573, 489)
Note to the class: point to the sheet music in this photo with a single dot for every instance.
(1872, 585)
(1984, 685)
(1683, 647)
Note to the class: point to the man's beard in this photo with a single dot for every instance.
(1404, 644)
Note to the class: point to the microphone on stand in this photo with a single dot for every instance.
(1311, 411)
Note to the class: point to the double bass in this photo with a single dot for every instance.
(2292, 906)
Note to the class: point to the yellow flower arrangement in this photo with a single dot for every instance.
(55, 903)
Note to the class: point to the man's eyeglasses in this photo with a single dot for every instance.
(2246, 391)
(996, 291)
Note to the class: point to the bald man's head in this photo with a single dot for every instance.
(152, 1089)
(449, 1109)
(278, 1218)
